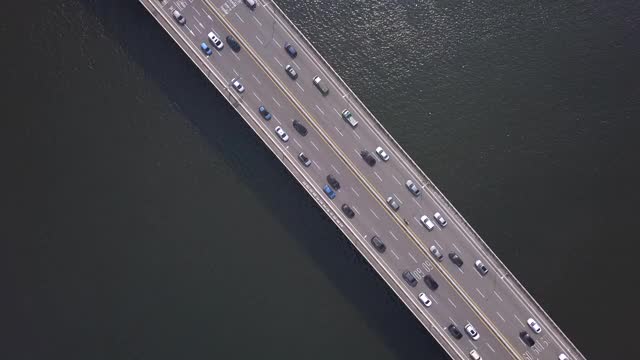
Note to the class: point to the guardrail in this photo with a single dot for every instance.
(434, 189)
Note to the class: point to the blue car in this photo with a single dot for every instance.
(265, 114)
(205, 49)
(327, 190)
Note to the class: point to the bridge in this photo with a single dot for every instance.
(494, 303)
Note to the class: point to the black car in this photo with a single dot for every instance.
(290, 50)
(304, 159)
(368, 158)
(431, 284)
(455, 259)
(291, 72)
(527, 339)
(301, 129)
(347, 211)
(410, 279)
(233, 44)
(378, 244)
(333, 182)
(453, 330)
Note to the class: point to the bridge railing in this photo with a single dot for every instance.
(434, 189)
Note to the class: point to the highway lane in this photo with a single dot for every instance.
(365, 137)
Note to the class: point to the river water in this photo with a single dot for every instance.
(144, 219)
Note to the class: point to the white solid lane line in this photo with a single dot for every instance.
(374, 214)
(354, 191)
(334, 169)
(239, 17)
(394, 254)
(412, 258)
(503, 320)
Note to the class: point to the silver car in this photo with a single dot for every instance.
(237, 85)
(382, 154)
(424, 299)
(178, 17)
(436, 253)
(471, 331)
(481, 268)
(534, 326)
(412, 188)
(440, 219)
(282, 134)
(392, 202)
(217, 43)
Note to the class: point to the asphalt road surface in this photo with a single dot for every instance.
(491, 303)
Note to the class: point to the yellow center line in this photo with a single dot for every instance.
(408, 232)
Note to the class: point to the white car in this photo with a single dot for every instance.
(440, 219)
(563, 357)
(534, 326)
(382, 154)
(472, 332)
(474, 355)
(481, 268)
(236, 84)
(217, 43)
(436, 253)
(283, 135)
(427, 223)
(425, 300)
(412, 188)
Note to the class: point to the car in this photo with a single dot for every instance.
(264, 112)
(205, 49)
(333, 182)
(481, 268)
(368, 158)
(471, 331)
(251, 4)
(327, 190)
(425, 300)
(440, 219)
(317, 82)
(233, 44)
(409, 278)
(427, 223)
(430, 282)
(237, 85)
(563, 357)
(473, 354)
(178, 17)
(346, 209)
(291, 50)
(527, 339)
(453, 330)
(304, 159)
(378, 244)
(282, 134)
(534, 326)
(346, 115)
(217, 43)
(382, 154)
(291, 72)
(455, 258)
(436, 253)
(412, 188)
(301, 129)
(392, 202)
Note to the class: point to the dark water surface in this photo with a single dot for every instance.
(142, 219)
